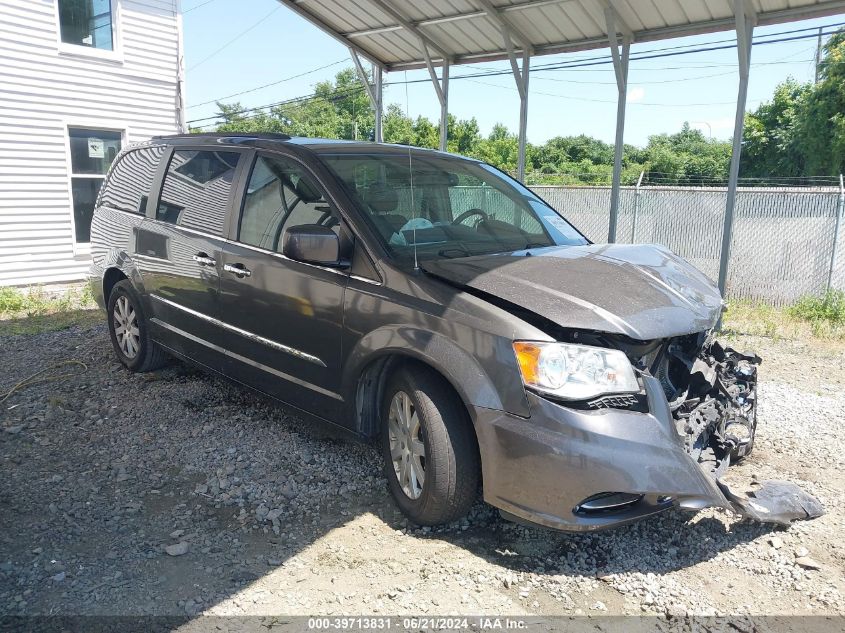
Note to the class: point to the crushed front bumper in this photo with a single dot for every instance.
(576, 469)
(540, 469)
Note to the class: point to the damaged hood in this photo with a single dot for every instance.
(642, 291)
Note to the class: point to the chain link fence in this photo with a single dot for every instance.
(784, 241)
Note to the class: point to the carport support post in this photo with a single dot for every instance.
(374, 92)
(620, 66)
(523, 114)
(840, 209)
(444, 107)
(379, 105)
(744, 32)
(521, 78)
(637, 194)
(512, 33)
(441, 87)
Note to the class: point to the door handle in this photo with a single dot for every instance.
(204, 260)
(237, 269)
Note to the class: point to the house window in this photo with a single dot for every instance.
(86, 23)
(91, 154)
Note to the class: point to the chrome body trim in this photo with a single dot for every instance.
(150, 258)
(264, 251)
(237, 270)
(246, 334)
(248, 361)
(204, 260)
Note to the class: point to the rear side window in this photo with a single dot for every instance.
(196, 189)
(131, 178)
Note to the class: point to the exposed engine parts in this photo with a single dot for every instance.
(712, 393)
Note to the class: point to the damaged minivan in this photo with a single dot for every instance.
(435, 304)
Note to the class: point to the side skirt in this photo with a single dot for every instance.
(311, 417)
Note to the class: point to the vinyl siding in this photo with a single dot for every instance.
(46, 87)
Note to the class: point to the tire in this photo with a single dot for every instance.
(136, 351)
(449, 462)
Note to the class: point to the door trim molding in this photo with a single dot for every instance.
(245, 333)
(243, 359)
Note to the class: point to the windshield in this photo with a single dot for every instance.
(448, 207)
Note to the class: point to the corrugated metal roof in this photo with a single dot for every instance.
(389, 32)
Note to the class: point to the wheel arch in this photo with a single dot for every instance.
(111, 277)
(379, 352)
(117, 265)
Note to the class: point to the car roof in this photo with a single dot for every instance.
(316, 145)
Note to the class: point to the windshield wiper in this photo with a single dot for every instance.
(454, 251)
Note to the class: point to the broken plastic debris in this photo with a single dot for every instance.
(774, 501)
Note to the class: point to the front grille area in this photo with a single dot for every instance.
(625, 401)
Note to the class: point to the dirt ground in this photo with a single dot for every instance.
(176, 493)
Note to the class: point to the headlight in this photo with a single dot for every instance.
(574, 372)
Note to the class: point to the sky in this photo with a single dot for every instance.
(236, 45)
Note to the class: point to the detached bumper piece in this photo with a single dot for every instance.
(774, 501)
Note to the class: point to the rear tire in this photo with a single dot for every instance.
(431, 462)
(129, 331)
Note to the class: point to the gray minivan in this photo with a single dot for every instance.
(434, 303)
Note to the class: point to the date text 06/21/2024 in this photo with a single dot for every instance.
(375, 623)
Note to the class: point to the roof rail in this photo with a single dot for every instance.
(245, 135)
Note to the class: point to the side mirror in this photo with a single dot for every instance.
(313, 244)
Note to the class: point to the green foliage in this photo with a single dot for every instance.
(829, 308)
(801, 132)
(33, 311)
(687, 158)
(772, 137)
(822, 124)
(15, 303)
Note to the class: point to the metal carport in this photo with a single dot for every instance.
(402, 35)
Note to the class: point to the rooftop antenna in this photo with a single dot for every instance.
(411, 173)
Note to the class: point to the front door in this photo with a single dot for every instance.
(178, 251)
(284, 318)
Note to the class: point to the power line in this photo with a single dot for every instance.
(613, 101)
(274, 83)
(568, 64)
(492, 73)
(194, 8)
(236, 38)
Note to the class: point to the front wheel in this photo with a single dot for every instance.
(129, 332)
(429, 447)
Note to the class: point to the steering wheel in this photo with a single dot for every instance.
(468, 214)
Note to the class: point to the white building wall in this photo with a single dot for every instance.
(46, 86)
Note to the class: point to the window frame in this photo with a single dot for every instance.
(157, 188)
(238, 211)
(84, 248)
(130, 149)
(90, 52)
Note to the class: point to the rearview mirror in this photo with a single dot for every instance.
(313, 244)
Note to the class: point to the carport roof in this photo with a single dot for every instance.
(390, 33)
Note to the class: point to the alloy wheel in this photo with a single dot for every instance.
(407, 448)
(126, 327)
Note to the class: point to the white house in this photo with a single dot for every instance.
(79, 79)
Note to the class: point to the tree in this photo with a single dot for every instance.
(397, 128)
(772, 139)
(686, 158)
(822, 124)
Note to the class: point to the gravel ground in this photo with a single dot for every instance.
(176, 493)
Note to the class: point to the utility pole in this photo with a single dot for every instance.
(818, 53)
